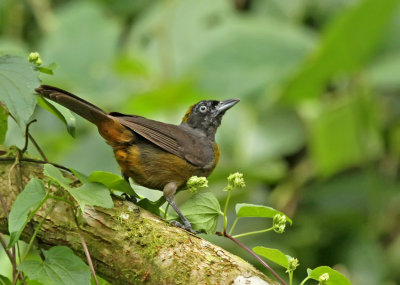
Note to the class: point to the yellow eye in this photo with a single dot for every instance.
(203, 109)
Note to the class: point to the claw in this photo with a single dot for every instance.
(129, 198)
(186, 227)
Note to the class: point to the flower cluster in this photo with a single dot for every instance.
(235, 180)
(293, 263)
(323, 278)
(34, 57)
(279, 223)
(194, 183)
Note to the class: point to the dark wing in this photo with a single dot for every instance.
(195, 149)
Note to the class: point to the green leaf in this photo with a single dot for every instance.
(259, 211)
(151, 206)
(265, 52)
(4, 280)
(345, 134)
(30, 198)
(202, 211)
(340, 51)
(17, 82)
(60, 112)
(112, 181)
(54, 173)
(94, 194)
(3, 124)
(99, 53)
(47, 69)
(273, 254)
(60, 267)
(100, 280)
(83, 178)
(335, 278)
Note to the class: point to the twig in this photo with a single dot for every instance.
(5, 247)
(8, 252)
(254, 255)
(84, 245)
(38, 148)
(4, 206)
(89, 259)
(16, 275)
(36, 161)
(30, 137)
(27, 135)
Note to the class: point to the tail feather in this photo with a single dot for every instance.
(79, 106)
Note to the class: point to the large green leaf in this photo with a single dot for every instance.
(250, 56)
(259, 211)
(4, 280)
(202, 211)
(347, 43)
(17, 82)
(94, 194)
(152, 206)
(89, 193)
(112, 181)
(228, 54)
(345, 134)
(3, 124)
(61, 113)
(96, 40)
(54, 173)
(61, 266)
(30, 198)
(273, 254)
(335, 278)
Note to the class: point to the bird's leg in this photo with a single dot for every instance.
(169, 192)
(127, 196)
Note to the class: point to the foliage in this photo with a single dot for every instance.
(317, 130)
(60, 266)
(17, 80)
(33, 197)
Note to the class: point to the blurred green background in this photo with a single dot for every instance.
(316, 133)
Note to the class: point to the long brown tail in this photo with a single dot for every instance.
(109, 127)
(77, 105)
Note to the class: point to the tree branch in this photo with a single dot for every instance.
(129, 245)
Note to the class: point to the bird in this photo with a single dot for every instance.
(154, 154)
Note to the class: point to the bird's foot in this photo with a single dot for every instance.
(125, 197)
(129, 198)
(186, 226)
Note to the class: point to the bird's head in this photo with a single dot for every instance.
(206, 116)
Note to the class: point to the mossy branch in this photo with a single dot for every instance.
(128, 245)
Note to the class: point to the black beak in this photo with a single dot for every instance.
(227, 104)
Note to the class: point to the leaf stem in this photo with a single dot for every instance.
(37, 230)
(254, 255)
(305, 279)
(234, 225)
(166, 211)
(253, 232)
(225, 209)
(62, 199)
(31, 214)
(290, 277)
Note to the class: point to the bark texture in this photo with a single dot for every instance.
(128, 245)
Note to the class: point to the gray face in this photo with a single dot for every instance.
(206, 116)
